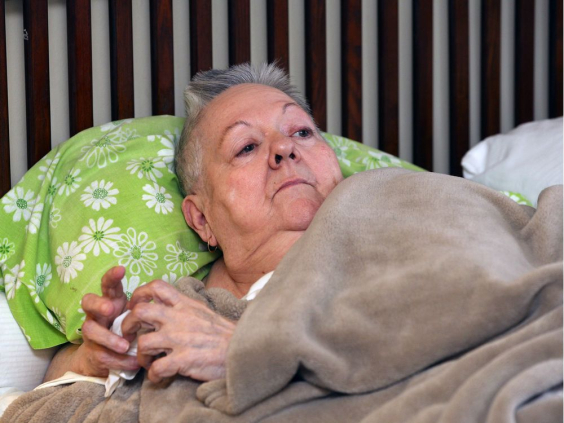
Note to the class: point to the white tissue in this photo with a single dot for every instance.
(116, 378)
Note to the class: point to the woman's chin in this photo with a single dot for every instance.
(299, 212)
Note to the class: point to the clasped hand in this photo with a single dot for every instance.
(184, 336)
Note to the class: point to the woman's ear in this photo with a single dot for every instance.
(192, 208)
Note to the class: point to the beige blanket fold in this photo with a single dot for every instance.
(412, 297)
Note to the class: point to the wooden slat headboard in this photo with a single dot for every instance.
(38, 107)
(314, 16)
(121, 59)
(459, 101)
(524, 60)
(315, 59)
(79, 37)
(423, 83)
(490, 69)
(5, 179)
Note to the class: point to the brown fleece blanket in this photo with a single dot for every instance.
(411, 298)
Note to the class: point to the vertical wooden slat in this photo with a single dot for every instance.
(121, 59)
(79, 40)
(277, 22)
(555, 60)
(388, 82)
(38, 109)
(162, 57)
(351, 68)
(316, 61)
(5, 181)
(524, 60)
(423, 83)
(200, 36)
(458, 84)
(239, 31)
(490, 68)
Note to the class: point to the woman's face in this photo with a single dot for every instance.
(266, 169)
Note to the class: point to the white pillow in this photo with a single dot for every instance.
(21, 367)
(526, 160)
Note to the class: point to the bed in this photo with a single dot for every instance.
(421, 81)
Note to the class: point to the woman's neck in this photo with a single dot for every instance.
(238, 273)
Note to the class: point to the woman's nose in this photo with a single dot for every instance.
(282, 149)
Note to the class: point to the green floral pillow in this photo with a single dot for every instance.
(107, 196)
(355, 157)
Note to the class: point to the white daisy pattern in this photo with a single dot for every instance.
(341, 146)
(54, 217)
(375, 160)
(32, 292)
(35, 219)
(110, 126)
(99, 235)
(51, 319)
(180, 259)
(25, 334)
(170, 278)
(158, 198)
(52, 190)
(49, 168)
(20, 203)
(100, 194)
(146, 168)
(135, 252)
(7, 248)
(61, 319)
(69, 261)
(13, 280)
(42, 278)
(106, 149)
(169, 141)
(70, 183)
(130, 284)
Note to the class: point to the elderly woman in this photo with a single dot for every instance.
(255, 170)
(433, 298)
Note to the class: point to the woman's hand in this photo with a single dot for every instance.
(194, 338)
(103, 350)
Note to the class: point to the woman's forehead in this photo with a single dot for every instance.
(243, 97)
(242, 102)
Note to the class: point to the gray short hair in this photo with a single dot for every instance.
(201, 90)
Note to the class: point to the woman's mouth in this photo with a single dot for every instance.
(290, 183)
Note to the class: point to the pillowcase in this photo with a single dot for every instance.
(107, 196)
(355, 157)
(526, 160)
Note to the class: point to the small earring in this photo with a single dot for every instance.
(214, 248)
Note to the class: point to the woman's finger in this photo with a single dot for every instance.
(92, 331)
(111, 282)
(152, 343)
(143, 316)
(149, 346)
(162, 368)
(106, 359)
(158, 291)
(98, 308)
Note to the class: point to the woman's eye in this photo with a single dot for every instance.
(246, 149)
(303, 133)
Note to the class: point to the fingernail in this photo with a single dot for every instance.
(123, 346)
